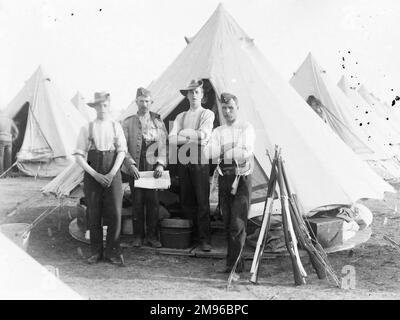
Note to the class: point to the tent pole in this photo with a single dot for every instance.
(5, 172)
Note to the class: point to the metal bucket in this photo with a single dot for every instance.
(16, 233)
(176, 233)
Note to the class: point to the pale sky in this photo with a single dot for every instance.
(94, 45)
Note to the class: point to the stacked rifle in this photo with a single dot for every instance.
(294, 229)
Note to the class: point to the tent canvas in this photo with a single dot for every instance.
(49, 127)
(22, 277)
(321, 168)
(311, 79)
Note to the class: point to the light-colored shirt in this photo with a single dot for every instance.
(236, 142)
(200, 119)
(104, 137)
(150, 132)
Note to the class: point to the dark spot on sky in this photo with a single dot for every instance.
(351, 76)
(387, 118)
(368, 123)
(366, 112)
(391, 89)
(348, 52)
(390, 144)
(356, 62)
(360, 124)
(358, 83)
(100, 10)
(397, 98)
(343, 66)
(55, 20)
(343, 58)
(393, 103)
(72, 14)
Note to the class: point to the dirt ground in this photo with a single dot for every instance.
(154, 276)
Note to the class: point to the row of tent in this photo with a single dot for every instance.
(325, 166)
(360, 120)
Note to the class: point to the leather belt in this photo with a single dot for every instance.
(228, 170)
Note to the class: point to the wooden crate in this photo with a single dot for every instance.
(328, 231)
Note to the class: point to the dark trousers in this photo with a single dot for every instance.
(145, 208)
(145, 205)
(234, 210)
(104, 205)
(5, 155)
(194, 196)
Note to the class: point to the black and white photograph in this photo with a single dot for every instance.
(205, 152)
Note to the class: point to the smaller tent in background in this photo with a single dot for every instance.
(48, 124)
(311, 79)
(79, 102)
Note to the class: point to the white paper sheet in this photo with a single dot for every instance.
(147, 180)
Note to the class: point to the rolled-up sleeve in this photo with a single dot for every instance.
(248, 141)
(128, 157)
(82, 145)
(213, 148)
(244, 148)
(206, 126)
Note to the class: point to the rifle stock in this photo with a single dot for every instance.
(293, 237)
(260, 240)
(302, 233)
(306, 244)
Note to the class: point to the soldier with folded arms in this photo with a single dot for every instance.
(191, 131)
(232, 145)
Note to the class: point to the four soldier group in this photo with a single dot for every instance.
(140, 144)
